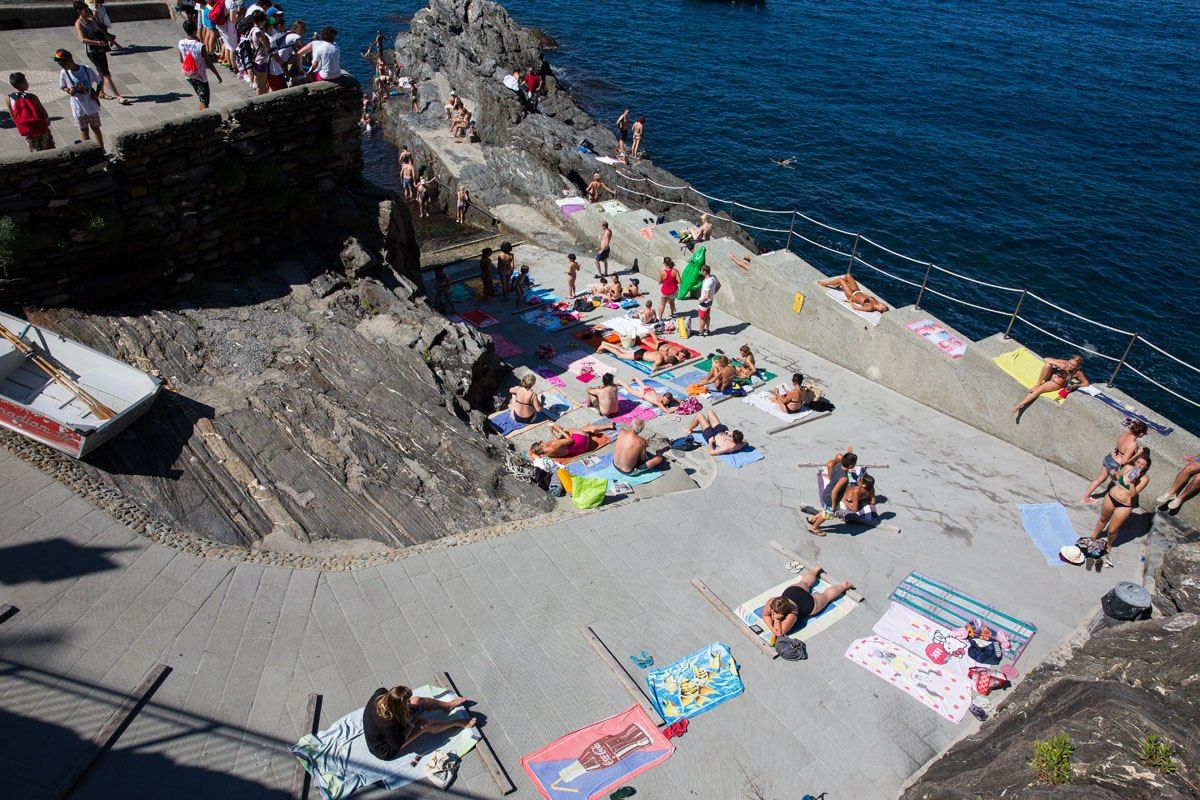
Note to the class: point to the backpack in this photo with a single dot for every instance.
(25, 115)
(189, 66)
(243, 57)
(218, 14)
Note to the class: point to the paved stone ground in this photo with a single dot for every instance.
(148, 74)
(98, 606)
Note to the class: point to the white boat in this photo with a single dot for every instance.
(64, 394)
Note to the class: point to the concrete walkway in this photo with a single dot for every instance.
(99, 605)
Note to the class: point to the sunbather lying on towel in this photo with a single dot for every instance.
(603, 398)
(662, 400)
(720, 439)
(796, 399)
(797, 603)
(392, 720)
(567, 444)
(524, 404)
(837, 480)
(720, 377)
(857, 298)
(630, 454)
(664, 354)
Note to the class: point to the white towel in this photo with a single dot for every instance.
(762, 401)
(872, 317)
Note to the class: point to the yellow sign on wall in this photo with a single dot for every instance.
(798, 303)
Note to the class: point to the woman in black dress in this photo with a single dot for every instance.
(393, 719)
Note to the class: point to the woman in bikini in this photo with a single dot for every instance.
(1126, 450)
(1121, 497)
(796, 398)
(1057, 374)
(568, 444)
(748, 369)
(856, 297)
(460, 207)
(721, 376)
(525, 404)
(664, 354)
(798, 602)
(662, 400)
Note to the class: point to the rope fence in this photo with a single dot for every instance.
(930, 269)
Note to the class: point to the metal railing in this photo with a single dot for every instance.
(812, 231)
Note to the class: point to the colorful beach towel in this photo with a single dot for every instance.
(1049, 527)
(339, 762)
(479, 318)
(551, 377)
(870, 317)
(936, 687)
(571, 357)
(630, 408)
(589, 762)
(747, 455)
(554, 405)
(1026, 368)
(941, 338)
(1130, 413)
(504, 347)
(921, 636)
(760, 376)
(462, 292)
(762, 401)
(751, 612)
(951, 608)
(603, 468)
(693, 685)
(552, 316)
(612, 207)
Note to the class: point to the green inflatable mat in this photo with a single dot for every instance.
(689, 281)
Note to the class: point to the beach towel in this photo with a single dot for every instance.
(630, 408)
(647, 233)
(952, 608)
(936, 687)
(693, 685)
(646, 367)
(554, 405)
(751, 611)
(1026, 368)
(569, 358)
(1129, 412)
(762, 401)
(504, 347)
(339, 762)
(629, 328)
(551, 377)
(921, 636)
(941, 338)
(612, 207)
(603, 468)
(571, 205)
(604, 441)
(747, 455)
(867, 512)
(759, 376)
(479, 318)
(590, 762)
(1049, 527)
(462, 292)
(870, 317)
(551, 316)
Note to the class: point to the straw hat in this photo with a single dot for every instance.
(1071, 554)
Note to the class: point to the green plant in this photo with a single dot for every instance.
(14, 242)
(106, 225)
(1158, 754)
(1052, 759)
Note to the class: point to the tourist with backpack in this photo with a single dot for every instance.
(196, 61)
(220, 14)
(82, 85)
(29, 115)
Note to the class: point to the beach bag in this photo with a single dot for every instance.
(583, 304)
(189, 65)
(986, 680)
(25, 115)
(588, 492)
(986, 653)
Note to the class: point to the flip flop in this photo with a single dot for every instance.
(622, 793)
(795, 566)
(817, 532)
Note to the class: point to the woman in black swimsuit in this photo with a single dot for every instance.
(525, 404)
(797, 603)
(1121, 497)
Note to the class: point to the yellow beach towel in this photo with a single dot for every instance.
(1025, 367)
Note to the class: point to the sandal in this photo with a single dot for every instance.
(817, 532)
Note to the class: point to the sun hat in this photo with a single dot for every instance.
(1071, 554)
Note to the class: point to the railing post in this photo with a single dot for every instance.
(1012, 320)
(853, 252)
(1132, 341)
(732, 205)
(790, 229)
(924, 281)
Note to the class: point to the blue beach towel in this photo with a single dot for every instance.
(693, 685)
(1132, 413)
(604, 469)
(1049, 528)
(553, 406)
(747, 455)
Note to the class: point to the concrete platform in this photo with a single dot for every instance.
(98, 605)
(147, 73)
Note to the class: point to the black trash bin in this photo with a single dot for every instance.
(1126, 602)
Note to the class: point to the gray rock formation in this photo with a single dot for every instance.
(1178, 579)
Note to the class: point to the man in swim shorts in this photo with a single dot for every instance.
(629, 453)
(721, 441)
(603, 398)
(605, 245)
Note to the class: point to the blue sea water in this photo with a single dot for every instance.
(1048, 146)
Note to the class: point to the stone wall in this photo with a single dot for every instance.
(177, 200)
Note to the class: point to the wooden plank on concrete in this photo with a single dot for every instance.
(798, 423)
(727, 612)
(312, 719)
(487, 754)
(7, 612)
(111, 730)
(613, 664)
(792, 555)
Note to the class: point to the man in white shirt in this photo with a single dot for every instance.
(81, 83)
(708, 290)
(326, 56)
(199, 63)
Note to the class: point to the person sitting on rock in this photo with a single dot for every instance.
(461, 125)
(797, 603)
(571, 443)
(603, 398)
(748, 369)
(634, 289)
(615, 290)
(393, 719)
(704, 232)
(837, 481)
(451, 107)
(1186, 484)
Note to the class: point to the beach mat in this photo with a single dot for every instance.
(479, 318)
(751, 611)
(747, 455)
(762, 401)
(760, 375)
(339, 762)
(936, 687)
(1130, 413)
(554, 405)
(939, 337)
(695, 684)
(605, 441)
(504, 347)
(1049, 527)
(951, 608)
(916, 634)
(591, 761)
(1025, 367)
(604, 468)
(630, 408)
(838, 296)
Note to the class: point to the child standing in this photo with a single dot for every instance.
(82, 84)
(572, 271)
(29, 115)
(195, 60)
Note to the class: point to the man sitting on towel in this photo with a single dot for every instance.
(796, 399)
(721, 441)
(568, 444)
(797, 603)
(664, 354)
(662, 400)
(857, 298)
(603, 398)
(629, 453)
(837, 480)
